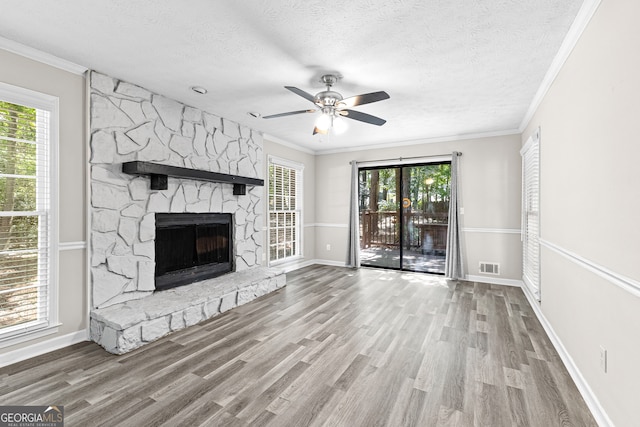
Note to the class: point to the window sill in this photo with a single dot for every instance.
(18, 336)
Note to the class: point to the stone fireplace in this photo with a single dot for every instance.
(129, 219)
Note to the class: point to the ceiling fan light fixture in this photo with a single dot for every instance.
(324, 122)
(334, 107)
(339, 125)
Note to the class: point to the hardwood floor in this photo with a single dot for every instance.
(335, 347)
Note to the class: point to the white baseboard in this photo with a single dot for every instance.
(293, 265)
(494, 280)
(306, 263)
(483, 279)
(589, 397)
(329, 262)
(43, 347)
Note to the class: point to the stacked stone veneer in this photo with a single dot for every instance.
(130, 123)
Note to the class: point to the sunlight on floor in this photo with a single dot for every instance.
(412, 259)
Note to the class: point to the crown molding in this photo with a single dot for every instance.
(288, 144)
(40, 56)
(404, 143)
(583, 18)
(421, 141)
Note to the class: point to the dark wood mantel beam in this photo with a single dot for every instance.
(159, 175)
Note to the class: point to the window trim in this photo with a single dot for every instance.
(299, 168)
(29, 98)
(530, 154)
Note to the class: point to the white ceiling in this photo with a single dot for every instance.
(451, 67)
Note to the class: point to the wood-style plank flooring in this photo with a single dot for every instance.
(335, 347)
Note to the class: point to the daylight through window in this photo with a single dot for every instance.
(25, 204)
(285, 209)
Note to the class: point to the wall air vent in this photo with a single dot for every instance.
(490, 268)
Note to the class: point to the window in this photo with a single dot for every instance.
(285, 209)
(531, 214)
(28, 132)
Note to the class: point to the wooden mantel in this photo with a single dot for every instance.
(159, 175)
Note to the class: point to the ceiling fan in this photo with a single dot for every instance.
(333, 105)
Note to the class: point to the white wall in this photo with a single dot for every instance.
(490, 190)
(590, 198)
(70, 89)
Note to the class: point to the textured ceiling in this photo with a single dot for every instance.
(451, 67)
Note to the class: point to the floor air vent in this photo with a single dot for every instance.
(489, 268)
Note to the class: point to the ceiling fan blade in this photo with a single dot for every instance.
(305, 95)
(290, 113)
(366, 98)
(363, 117)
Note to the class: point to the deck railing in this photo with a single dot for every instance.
(422, 229)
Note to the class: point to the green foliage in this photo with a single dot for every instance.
(428, 187)
(282, 188)
(17, 176)
(387, 205)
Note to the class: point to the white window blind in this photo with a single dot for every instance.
(531, 213)
(27, 291)
(285, 209)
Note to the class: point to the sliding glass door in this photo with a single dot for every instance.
(403, 216)
(379, 191)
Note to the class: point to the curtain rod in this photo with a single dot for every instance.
(400, 159)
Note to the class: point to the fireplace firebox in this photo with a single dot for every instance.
(192, 247)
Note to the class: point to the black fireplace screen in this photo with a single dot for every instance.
(192, 247)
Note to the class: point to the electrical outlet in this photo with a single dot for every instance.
(328, 247)
(603, 359)
(461, 211)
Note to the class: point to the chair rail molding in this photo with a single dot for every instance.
(72, 246)
(491, 230)
(630, 285)
(327, 225)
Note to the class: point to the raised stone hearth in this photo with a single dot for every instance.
(123, 327)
